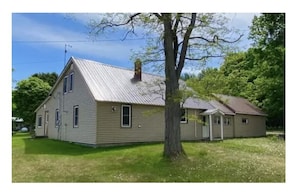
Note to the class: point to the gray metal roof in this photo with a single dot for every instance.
(239, 105)
(222, 107)
(114, 84)
(212, 111)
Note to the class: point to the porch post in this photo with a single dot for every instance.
(222, 128)
(210, 128)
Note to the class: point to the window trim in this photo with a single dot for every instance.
(245, 121)
(185, 116)
(227, 122)
(75, 116)
(39, 121)
(71, 75)
(204, 122)
(217, 120)
(130, 116)
(65, 86)
(57, 117)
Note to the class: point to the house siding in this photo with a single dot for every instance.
(80, 95)
(39, 131)
(192, 130)
(147, 125)
(228, 131)
(255, 127)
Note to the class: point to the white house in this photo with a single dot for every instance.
(98, 104)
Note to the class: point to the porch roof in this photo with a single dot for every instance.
(212, 111)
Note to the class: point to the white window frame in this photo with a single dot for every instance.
(65, 86)
(75, 116)
(122, 116)
(39, 121)
(71, 75)
(245, 121)
(227, 121)
(217, 120)
(57, 117)
(185, 115)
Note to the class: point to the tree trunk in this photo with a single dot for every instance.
(172, 144)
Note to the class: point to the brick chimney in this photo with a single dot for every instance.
(137, 70)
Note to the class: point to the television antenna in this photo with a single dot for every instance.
(65, 52)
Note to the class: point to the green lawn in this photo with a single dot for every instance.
(233, 160)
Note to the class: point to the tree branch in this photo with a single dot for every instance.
(183, 53)
(204, 57)
(202, 38)
(158, 16)
(103, 25)
(226, 41)
(175, 39)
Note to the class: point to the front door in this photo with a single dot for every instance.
(46, 119)
(205, 127)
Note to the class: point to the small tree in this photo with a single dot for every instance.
(174, 39)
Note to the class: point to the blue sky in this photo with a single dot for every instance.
(39, 39)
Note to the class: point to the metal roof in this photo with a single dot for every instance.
(114, 84)
(212, 111)
(222, 107)
(239, 105)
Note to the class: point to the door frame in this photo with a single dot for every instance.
(46, 121)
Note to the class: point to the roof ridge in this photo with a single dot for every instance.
(117, 67)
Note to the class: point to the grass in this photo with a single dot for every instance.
(233, 160)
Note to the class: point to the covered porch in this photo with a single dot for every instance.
(207, 128)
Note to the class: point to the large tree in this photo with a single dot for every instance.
(50, 78)
(268, 33)
(174, 40)
(28, 94)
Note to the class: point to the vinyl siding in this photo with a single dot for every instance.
(256, 126)
(39, 131)
(228, 129)
(193, 129)
(147, 125)
(86, 131)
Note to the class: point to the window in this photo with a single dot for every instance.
(75, 116)
(217, 120)
(65, 85)
(71, 82)
(57, 118)
(39, 124)
(227, 121)
(184, 116)
(244, 121)
(204, 120)
(126, 116)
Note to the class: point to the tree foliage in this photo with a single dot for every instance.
(258, 73)
(268, 33)
(207, 82)
(27, 96)
(50, 78)
(174, 40)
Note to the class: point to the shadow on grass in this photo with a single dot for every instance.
(50, 146)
